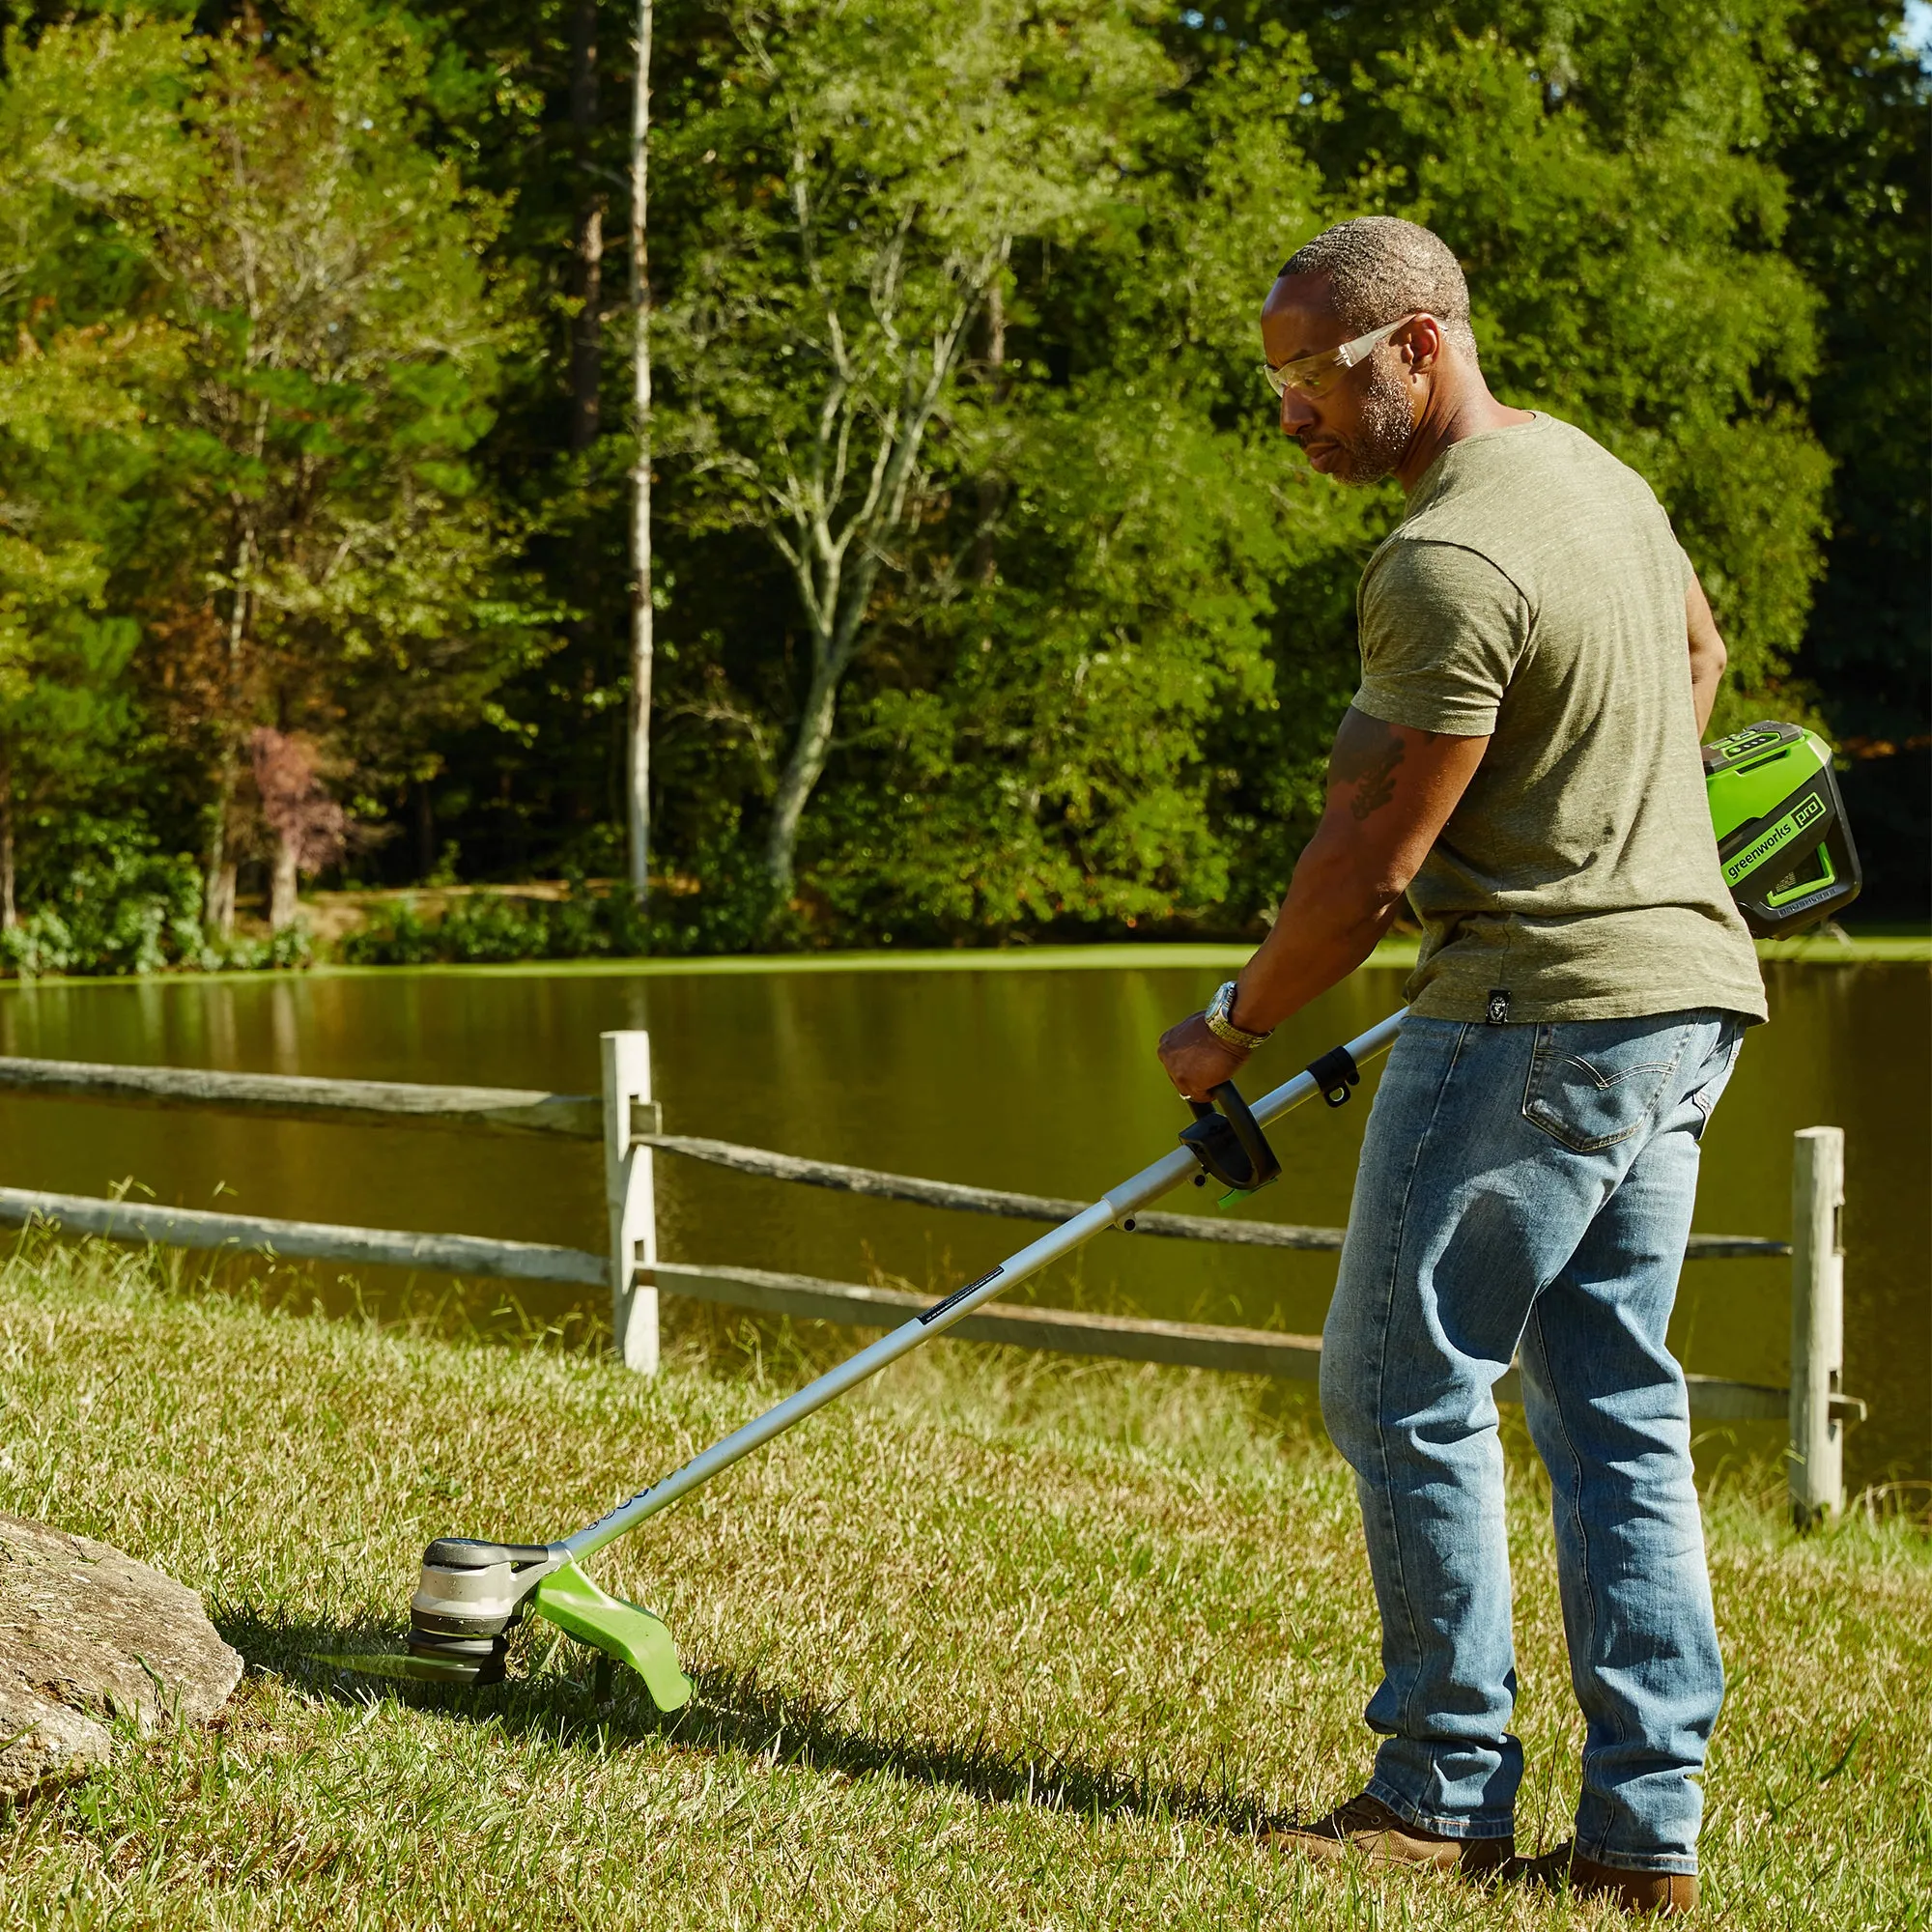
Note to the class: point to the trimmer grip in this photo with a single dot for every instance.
(1229, 1142)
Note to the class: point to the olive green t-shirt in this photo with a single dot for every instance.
(1535, 594)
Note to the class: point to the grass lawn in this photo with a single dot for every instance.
(1000, 1641)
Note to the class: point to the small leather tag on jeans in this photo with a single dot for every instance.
(1498, 1011)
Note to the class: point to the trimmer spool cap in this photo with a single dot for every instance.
(468, 1595)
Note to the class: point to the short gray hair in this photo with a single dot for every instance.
(1382, 267)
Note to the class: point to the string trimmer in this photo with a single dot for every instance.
(1788, 859)
(471, 1593)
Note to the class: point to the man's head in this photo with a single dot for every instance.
(1349, 282)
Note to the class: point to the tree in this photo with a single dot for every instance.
(310, 828)
(1848, 104)
(69, 428)
(87, 133)
(1602, 173)
(342, 345)
(1043, 738)
(638, 768)
(877, 167)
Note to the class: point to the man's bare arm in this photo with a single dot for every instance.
(1390, 792)
(1708, 656)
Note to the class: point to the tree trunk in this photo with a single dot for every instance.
(425, 829)
(992, 487)
(283, 901)
(587, 334)
(637, 777)
(10, 912)
(836, 597)
(221, 899)
(217, 903)
(802, 771)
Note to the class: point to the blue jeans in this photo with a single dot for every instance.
(1526, 1191)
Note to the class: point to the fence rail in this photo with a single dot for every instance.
(300, 1240)
(501, 1110)
(882, 1186)
(517, 1110)
(628, 1123)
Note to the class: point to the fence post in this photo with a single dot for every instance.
(1817, 1462)
(631, 1198)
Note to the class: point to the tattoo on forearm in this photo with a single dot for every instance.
(1366, 754)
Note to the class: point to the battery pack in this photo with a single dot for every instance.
(1783, 839)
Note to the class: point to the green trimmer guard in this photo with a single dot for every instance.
(627, 1632)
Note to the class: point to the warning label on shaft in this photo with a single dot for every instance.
(959, 1295)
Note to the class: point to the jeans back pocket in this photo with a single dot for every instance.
(1593, 1082)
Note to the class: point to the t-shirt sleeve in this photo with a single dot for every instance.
(1442, 632)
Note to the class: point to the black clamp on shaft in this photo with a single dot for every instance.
(1229, 1144)
(1335, 1072)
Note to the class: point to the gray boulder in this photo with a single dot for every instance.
(87, 1636)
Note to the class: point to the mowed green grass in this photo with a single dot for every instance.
(1000, 1641)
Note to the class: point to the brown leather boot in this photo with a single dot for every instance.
(1367, 1827)
(1665, 1894)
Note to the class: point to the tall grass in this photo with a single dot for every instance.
(997, 1641)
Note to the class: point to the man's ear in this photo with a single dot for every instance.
(1423, 340)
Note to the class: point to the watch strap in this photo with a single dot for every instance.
(1223, 1028)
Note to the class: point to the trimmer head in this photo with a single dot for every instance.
(469, 1596)
(472, 1594)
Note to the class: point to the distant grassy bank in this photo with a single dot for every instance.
(1153, 955)
(999, 1641)
(572, 928)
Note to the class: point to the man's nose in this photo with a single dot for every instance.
(1296, 413)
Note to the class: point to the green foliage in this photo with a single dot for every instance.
(493, 928)
(107, 901)
(1685, 345)
(88, 131)
(989, 601)
(257, 343)
(1849, 120)
(342, 341)
(870, 171)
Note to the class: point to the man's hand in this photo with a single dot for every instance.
(1391, 789)
(1196, 1060)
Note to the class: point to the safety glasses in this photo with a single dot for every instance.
(1315, 376)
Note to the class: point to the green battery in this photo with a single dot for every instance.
(1783, 839)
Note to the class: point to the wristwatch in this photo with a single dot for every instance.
(1223, 1028)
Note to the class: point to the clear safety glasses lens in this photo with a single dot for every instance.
(1314, 376)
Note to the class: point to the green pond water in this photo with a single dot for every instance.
(1040, 1080)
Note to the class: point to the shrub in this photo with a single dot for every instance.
(496, 927)
(103, 900)
(126, 910)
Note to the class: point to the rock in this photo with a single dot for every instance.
(86, 1636)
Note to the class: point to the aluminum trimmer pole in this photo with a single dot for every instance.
(1117, 1207)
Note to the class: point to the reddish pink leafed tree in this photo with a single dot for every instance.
(311, 828)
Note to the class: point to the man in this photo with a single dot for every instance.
(1521, 759)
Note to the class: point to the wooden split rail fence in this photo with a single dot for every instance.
(626, 1119)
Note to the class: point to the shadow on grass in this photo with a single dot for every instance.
(573, 1697)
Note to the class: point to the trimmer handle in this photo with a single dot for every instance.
(1229, 1143)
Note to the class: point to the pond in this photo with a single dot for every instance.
(1040, 1080)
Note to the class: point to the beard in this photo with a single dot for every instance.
(1385, 426)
